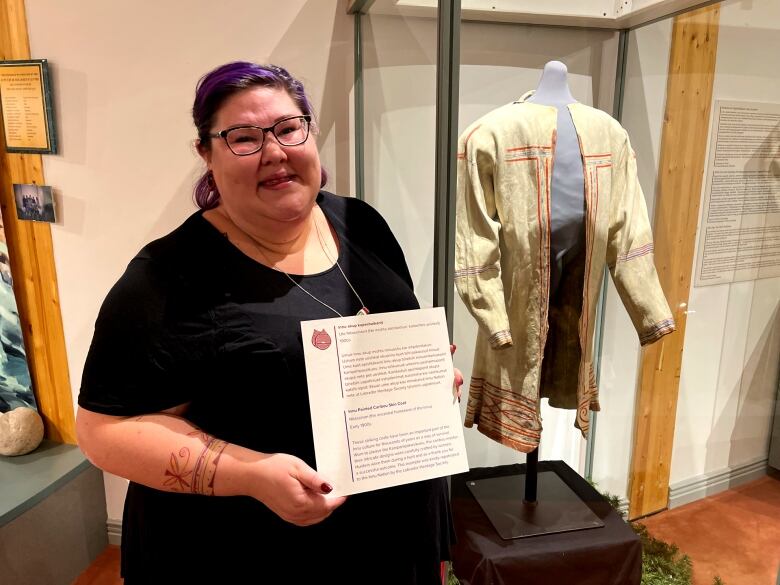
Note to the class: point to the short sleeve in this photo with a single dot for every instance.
(149, 345)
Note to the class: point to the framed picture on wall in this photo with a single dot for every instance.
(26, 107)
(34, 202)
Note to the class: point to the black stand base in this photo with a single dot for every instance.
(611, 555)
(558, 509)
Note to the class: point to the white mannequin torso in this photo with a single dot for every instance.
(567, 215)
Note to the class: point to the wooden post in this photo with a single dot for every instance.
(32, 263)
(681, 169)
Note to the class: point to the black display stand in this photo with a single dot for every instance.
(611, 555)
(558, 510)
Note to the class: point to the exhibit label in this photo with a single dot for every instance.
(383, 407)
(739, 237)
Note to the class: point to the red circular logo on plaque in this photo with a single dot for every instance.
(320, 339)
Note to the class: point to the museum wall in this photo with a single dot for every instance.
(123, 79)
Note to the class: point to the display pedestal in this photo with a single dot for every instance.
(558, 509)
(611, 555)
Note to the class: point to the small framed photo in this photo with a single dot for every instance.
(28, 111)
(34, 202)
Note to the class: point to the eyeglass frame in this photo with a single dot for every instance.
(223, 133)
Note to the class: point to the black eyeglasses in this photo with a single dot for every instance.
(245, 140)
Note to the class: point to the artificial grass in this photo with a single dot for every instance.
(662, 562)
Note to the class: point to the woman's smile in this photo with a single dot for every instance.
(279, 180)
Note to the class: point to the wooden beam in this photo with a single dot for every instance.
(32, 263)
(681, 169)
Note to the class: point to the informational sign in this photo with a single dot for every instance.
(25, 102)
(739, 237)
(383, 407)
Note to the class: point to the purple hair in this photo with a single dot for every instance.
(217, 86)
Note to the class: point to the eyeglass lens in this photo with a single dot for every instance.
(289, 132)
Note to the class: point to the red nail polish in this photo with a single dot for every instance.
(326, 488)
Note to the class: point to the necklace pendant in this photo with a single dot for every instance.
(362, 311)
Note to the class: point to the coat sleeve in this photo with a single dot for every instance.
(630, 252)
(477, 252)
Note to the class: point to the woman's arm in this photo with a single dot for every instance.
(167, 452)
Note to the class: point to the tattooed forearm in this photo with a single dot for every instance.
(206, 467)
(200, 478)
(177, 475)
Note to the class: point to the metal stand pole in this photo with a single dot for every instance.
(531, 476)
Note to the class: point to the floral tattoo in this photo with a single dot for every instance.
(198, 479)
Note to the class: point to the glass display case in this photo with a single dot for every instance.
(404, 136)
(696, 89)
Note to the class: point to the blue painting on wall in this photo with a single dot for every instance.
(15, 383)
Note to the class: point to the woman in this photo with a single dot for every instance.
(195, 384)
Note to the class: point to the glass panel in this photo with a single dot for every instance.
(399, 80)
(730, 367)
(499, 63)
(644, 98)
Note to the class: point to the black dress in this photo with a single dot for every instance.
(194, 320)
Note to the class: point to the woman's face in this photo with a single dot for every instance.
(277, 183)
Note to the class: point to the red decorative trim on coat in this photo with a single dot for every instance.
(635, 253)
(530, 147)
(503, 416)
(542, 161)
(462, 155)
(500, 337)
(657, 331)
(472, 270)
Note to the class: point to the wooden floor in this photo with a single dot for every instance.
(734, 534)
(104, 571)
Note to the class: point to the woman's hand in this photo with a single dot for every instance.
(294, 491)
(458, 382)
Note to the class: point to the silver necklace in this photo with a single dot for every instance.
(363, 310)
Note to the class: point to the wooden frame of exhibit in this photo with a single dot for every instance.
(32, 262)
(600, 14)
(680, 172)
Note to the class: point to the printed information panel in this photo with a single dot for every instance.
(383, 407)
(26, 104)
(739, 237)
